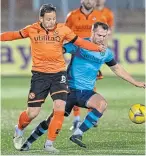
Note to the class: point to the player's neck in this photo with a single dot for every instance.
(100, 7)
(47, 29)
(85, 11)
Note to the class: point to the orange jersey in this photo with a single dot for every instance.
(81, 24)
(46, 46)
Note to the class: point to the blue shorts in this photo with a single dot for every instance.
(77, 98)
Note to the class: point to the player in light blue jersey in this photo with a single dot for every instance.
(82, 73)
(82, 63)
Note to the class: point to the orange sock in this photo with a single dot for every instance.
(55, 125)
(23, 120)
(76, 111)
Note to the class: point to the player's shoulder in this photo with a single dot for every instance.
(109, 51)
(62, 27)
(108, 10)
(33, 25)
(73, 12)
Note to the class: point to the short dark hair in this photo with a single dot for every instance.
(103, 25)
(46, 8)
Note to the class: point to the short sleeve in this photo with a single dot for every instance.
(110, 55)
(69, 34)
(25, 32)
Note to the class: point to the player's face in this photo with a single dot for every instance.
(49, 20)
(100, 2)
(99, 35)
(88, 4)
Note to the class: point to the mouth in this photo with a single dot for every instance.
(99, 42)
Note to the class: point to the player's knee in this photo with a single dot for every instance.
(103, 105)
(59, 105)
(100, 106)
(33, 112)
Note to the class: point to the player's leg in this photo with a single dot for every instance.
(43, 126)
(76, 109)
(98, 105)
(58, 92)
(99, 77)
(36, 97)
(77, 120)
(41, 129)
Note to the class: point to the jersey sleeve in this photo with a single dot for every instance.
(69, 34)
(10, 36)
(73, 38)
(15, 35)
(70, 48)
(110, 56)
(110, 19)
(25, 32)
(69, 20)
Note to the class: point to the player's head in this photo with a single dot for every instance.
(88, 4)
(47, 16)
(99, 32)
(100, 2)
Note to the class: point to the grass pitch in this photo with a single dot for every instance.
(115, 134)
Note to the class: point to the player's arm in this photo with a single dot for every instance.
(10, 36)
(72, 38)
(89, 45)
(121, 72)
(14, 35)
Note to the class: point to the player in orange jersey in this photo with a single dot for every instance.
(105, 13)
(48, 70)
(81, 21)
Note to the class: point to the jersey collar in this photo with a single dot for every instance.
(47, 30)
(85, 14)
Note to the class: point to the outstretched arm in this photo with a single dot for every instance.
(73, 38)
(15, 35)
(121, 72)
(89, 45)
(9, 36)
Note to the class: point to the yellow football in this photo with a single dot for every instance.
(137, 113)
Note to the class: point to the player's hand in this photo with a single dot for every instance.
(102, 47)
(140, 84)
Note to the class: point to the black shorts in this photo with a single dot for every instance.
(44, 83)
(77, 98)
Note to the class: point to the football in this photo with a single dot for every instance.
(137, 113)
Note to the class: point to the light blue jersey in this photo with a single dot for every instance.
(84, 66)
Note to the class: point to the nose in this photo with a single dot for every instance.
(52, 21)
(101, 38)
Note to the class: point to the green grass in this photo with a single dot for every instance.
(115, 134)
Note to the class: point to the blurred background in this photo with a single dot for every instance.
(127, 42)
(129, 14)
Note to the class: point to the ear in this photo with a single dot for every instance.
(41, 19)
